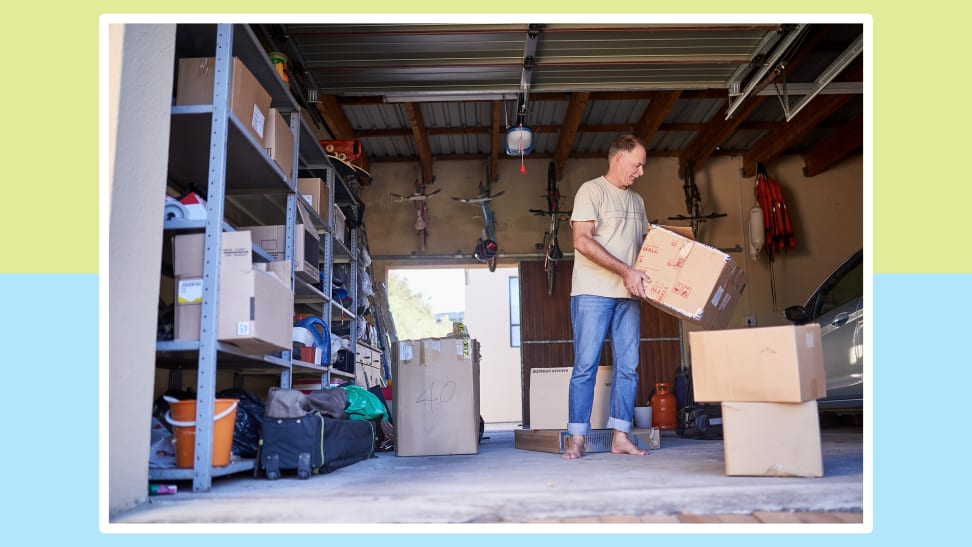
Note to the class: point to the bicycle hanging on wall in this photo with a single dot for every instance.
(419, 198)
(486, 248)
(551, 243)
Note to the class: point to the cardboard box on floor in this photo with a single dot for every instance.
(249, 101)
(548, 397)
(435, 395)
(256, 304)
(690, 280)
(598, 440)
(766, 364)
(307, 244)
(772, 439)
(314, 190)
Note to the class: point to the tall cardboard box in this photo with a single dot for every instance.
(772, 439)
(307, 244)
(278, 139)
(256, 304)
(249, 101)
(690, 280)
(435, 392)
(314, 190)
(548, 397)
(766, 364)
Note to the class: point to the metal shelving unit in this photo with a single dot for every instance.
(245, 187)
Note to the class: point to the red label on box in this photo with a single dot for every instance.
(681, 289)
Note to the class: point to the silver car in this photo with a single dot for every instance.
(838, 306)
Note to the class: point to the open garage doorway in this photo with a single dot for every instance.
(426, 302)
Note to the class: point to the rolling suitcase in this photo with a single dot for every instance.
(314, 444)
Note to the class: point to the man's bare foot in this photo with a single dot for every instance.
(575, 448)
(621, 444)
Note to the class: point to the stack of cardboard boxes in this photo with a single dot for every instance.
(768, 380)
(256, 304)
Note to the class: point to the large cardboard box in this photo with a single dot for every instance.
(767, 364)
(314, 190)
(256, 304)
(249, 101)
(690, 280)
(278, 139)
(435, 392)
(598, 440)
(772, 439)
(307, 245)
(548, 397)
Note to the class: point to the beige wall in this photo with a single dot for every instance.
(487, 317)
(827, 213)
(138, 122)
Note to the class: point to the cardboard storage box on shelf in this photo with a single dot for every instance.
(307, 244)
(548, 397)
(598, 440)
(690, 280)
(256, 304)
(772, 439)
(436, 396)
(766, 364)
(340, 223)
(278, 139)
(314, 191)
(249, 101)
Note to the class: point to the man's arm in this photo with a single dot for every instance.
(585, 244)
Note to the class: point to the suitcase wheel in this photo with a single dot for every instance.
(272, 466)
(303, 466)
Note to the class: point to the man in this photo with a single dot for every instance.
(609, 225)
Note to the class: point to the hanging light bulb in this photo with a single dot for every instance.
(757, 231)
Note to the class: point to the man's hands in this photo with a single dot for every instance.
(634, 281)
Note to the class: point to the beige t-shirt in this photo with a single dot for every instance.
(620, 225)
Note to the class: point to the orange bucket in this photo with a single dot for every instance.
(182, 416)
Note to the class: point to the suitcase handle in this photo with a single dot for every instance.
(216, 418)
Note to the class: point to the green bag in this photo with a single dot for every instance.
(363, 404)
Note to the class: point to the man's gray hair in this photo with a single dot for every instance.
(624, 143)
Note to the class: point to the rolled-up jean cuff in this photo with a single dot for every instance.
(578, 429)
(619, 425)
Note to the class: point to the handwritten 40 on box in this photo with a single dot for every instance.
(690, 280)
(435, 393)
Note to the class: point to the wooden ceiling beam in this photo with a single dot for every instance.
(494, 142)
(654, 114)
(568, 130)
(417, 123)
(841, 143)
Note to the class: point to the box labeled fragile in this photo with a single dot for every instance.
(436, 396)
(548, 397)
(772, 439)
(690, 280)
(781, 364)
(249, 101)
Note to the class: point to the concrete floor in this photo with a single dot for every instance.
(680, 482)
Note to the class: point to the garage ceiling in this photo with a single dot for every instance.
(419, 93)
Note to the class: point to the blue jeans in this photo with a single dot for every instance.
(592, 317)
